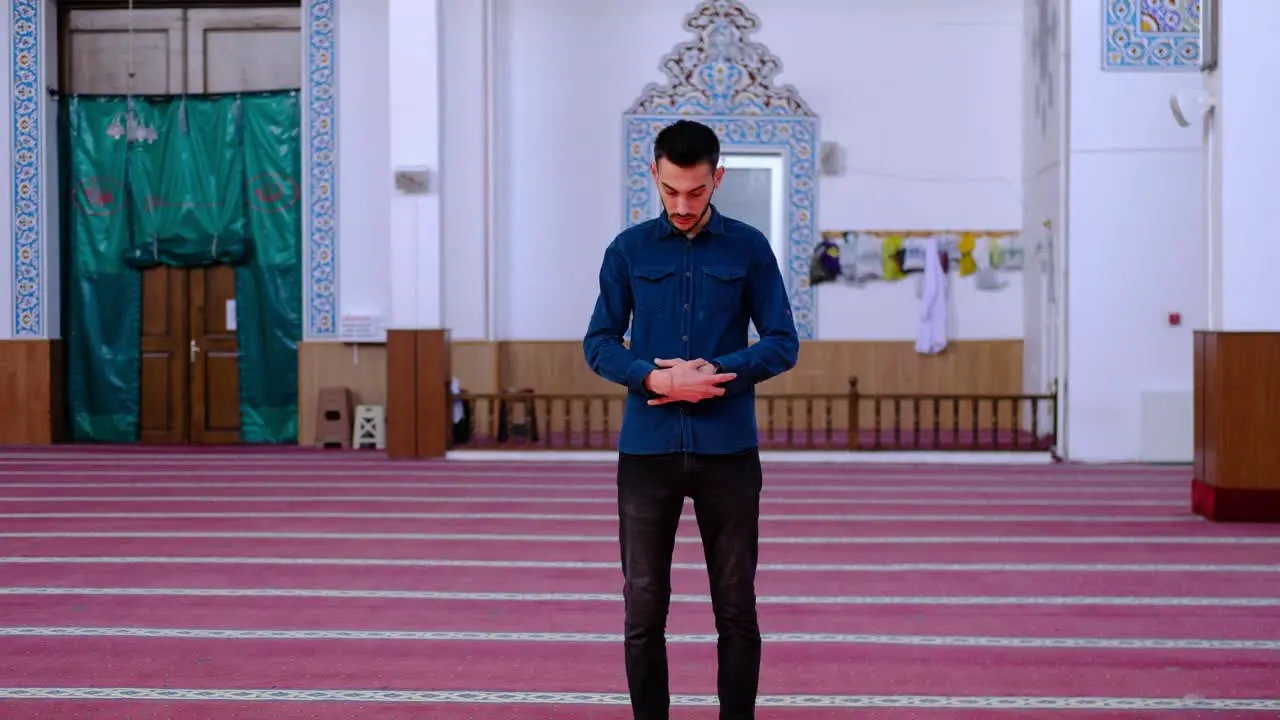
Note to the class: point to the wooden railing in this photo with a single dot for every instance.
(852, 421)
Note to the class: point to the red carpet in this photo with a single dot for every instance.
(294, 584)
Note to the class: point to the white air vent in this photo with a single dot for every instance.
(1166, 426)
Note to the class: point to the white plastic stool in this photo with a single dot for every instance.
(369, 428)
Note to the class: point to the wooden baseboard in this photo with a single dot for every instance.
(1222, 504)
(31, 392)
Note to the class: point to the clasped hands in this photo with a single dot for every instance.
(685, 381)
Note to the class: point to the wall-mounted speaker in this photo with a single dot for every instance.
(830, 158)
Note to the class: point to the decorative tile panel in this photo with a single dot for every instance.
(27, 97)
(1151, 35)
(321, 219)
(321, 230)
(724, 79)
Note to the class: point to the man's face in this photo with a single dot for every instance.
(685, 192)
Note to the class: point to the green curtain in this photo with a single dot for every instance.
(186, 174)
(183, 181)
(102, 296)
(269, 285)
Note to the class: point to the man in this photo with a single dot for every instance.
(688, 282)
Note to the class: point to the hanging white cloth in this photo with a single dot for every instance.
(932, 336)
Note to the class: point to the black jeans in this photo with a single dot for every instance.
(725, 490)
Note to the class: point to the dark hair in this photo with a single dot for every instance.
(687, 144)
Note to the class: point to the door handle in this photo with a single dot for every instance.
(195, 349)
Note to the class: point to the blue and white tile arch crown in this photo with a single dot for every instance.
(724, 79)
(30, 117)
(1161, 35)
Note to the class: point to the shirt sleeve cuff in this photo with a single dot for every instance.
(636, 375)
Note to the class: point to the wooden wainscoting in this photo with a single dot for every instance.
(558, 367)
(475, 364)
(363, 370)
(974, 367)
(360, 368)
(883, 367)
(31, 392)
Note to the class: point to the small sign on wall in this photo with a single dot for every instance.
(363, 328)
(231, 316)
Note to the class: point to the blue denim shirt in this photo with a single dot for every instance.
(691, 298)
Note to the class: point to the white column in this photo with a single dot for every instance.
(1248, 168)
(417, 297)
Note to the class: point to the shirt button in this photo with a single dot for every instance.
(685, 338)
(687, 273)
(686, 307)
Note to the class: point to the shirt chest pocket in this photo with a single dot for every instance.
(724, 288)
(654, 288)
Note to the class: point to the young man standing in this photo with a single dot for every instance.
(688, 282)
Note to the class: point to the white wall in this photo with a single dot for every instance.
(1045, 79)
(388, 118)
(922, 94)
(463, 177)
(413, 124)
(364, 158)
(1136, 250)
(1247, 159)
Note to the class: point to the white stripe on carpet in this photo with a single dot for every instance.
(478, 697)
(692, 539)
(610, 517)
(400, 499)
(607, 485)
(583, 565)
(905, 600)
(975, 641)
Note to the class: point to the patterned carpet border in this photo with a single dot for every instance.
(553, 637)
(588, 565)
(401, 499)
(686, 539)
(549, 698)
(900, 600)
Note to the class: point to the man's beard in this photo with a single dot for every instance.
(671, 219)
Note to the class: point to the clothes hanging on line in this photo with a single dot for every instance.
(931, 338)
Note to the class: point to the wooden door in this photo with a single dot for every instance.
(215, 370)
(190, 374)
(165, 377)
